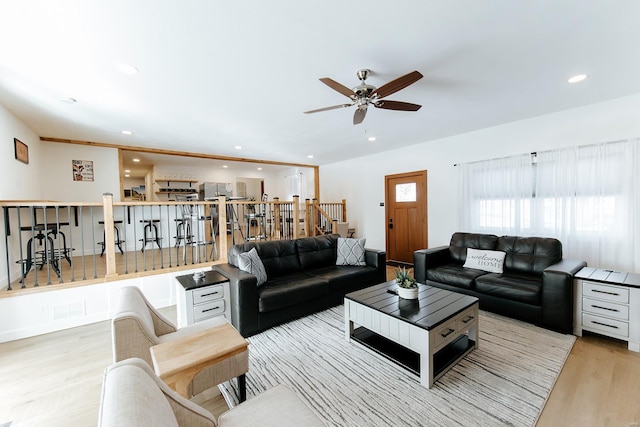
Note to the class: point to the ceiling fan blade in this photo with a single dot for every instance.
(395, 85)
(358, 116)
(397, 105)
(337, 87)
(333, 107)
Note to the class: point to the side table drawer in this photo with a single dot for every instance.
(205, 311)
(609, 293)
(607, 326)
(605, 308)
(210, 293)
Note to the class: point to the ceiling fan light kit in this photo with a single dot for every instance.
(365, 94)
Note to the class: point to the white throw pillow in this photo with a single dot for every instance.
(491, 261)
(350, 252)
(251, 263)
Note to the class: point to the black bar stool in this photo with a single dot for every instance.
(41, 257)
(118, 241)
(151, 233)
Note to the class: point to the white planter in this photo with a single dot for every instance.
(408, 293)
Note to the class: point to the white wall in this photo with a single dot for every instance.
(361, 181)
(19, 180)
(56, 179)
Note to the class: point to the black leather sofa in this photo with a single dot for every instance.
(536, 285)
(302, 278)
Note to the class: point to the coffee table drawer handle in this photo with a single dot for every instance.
(449, 332)
(468, 319)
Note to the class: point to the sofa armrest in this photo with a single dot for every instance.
(428, 258)
(557, 294)
(243, 290)
(377, 258)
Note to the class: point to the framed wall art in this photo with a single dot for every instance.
(21, 151)
(82, 170)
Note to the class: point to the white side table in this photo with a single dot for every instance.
(608, 303)
(201, 299)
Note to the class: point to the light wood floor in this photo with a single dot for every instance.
(55, 380)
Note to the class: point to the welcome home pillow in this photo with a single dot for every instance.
(350, 252)
(490, 261)
(251, 263)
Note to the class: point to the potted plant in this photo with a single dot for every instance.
(407, 285)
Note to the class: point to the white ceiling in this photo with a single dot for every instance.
(217, 74)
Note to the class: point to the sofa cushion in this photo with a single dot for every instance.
(316, 252)
(455, 275)
(515, 287)
(251, 263)
(461, 241)
(346, 278)
(529, 254)
(491, 261)
(278, 256)
(350, 252)
(292, 289)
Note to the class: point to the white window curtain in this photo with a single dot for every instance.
(587, 197)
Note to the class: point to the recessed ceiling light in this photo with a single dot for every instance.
(127, 175)
(371, 138)
(127, 69)
(127, 170)
(259, 169)
(577, 78)
(238, 147)
(126, 132)
(136, 160)
(310, 156)
(68, 100)
(225, 166)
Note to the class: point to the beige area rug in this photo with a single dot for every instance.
(506, 381)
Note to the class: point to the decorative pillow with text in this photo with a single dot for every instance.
(350, 252)
(251, 263)
(490, 261)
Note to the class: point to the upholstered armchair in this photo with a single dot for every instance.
(137, 326)
(132, 395)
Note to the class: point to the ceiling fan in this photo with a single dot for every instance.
(364, 94)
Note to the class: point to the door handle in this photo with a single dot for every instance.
(390, 223)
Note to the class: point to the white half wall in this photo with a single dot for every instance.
(361, 180)
(54, 310)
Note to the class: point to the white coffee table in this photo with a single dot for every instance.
(427, 336)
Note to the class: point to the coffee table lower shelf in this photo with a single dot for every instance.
(409, 359)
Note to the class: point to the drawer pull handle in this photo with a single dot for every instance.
(604, 308)
(604, 324)
(605, 292)
(468, 319)
(210, 309)
(212, 293)
(449, 332)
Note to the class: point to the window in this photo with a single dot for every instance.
(584, 196)
(406, 192)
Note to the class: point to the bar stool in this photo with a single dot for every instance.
(151, 233)
(39, 258)
(118, 241)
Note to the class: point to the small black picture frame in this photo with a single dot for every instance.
(21, 151)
